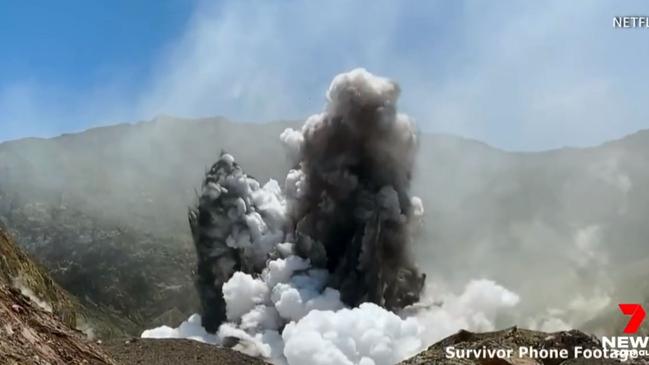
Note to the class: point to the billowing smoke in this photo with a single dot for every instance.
(349, 201)
(235, 227)
(321, 272)
(348, 210)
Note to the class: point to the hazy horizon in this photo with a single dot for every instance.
(299, 121)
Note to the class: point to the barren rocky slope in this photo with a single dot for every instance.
(38, 320)
(144, 278)
(19, 270)
(175, 352)
(33, 336)
(37, 316)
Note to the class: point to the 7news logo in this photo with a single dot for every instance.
(633, 346)
(637, 315)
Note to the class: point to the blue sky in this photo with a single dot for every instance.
(517, 75)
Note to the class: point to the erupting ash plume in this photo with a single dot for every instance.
(320, 272)
(348, 212)
(349, 199)
(236, 225)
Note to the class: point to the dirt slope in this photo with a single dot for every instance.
(17, 269)
(30, 335)
(175, 352)
(37, 318)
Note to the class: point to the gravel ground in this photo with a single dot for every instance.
(174, 352)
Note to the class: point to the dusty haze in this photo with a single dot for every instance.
(563, 228)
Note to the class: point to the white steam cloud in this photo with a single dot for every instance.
(365, 335)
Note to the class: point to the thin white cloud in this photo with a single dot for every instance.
(265, 60)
